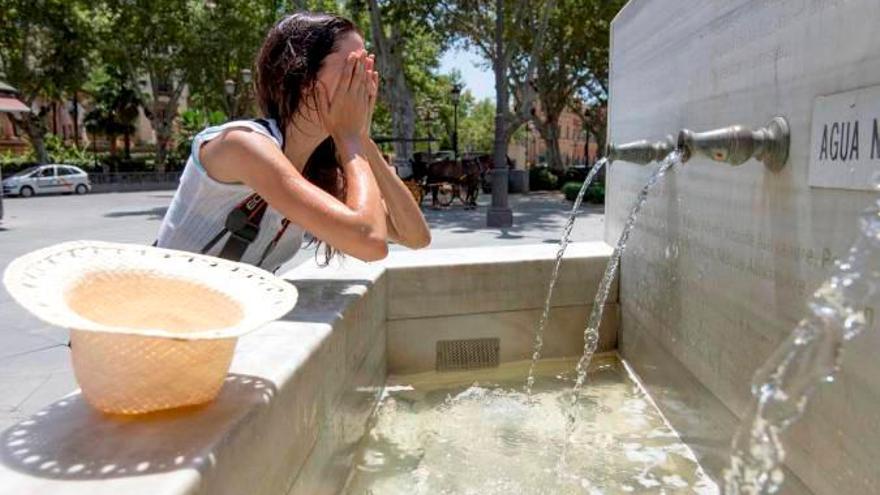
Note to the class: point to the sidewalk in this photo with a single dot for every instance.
(34, 364)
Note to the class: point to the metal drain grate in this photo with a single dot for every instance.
(467, 354)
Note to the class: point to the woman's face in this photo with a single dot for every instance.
(331, 70)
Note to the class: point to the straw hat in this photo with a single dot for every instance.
(151, 328)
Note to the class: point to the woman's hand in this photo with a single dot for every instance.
(373, 87)
(347, 113)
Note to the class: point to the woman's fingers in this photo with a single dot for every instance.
(359, 70)
(349, 71)
(374, 84)
(323, 101)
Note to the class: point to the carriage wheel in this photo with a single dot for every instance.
(445, 194)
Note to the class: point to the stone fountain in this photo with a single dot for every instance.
(725, 258)
(718, 271)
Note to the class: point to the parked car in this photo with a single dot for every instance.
(1, 196)
(47, 179)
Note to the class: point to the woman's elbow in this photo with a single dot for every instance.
(420, 241)
(374, 249)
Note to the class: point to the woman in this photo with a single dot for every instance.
(250, 188)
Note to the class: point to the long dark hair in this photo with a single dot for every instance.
(287, 72)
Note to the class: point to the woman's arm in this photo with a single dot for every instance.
(405, 222)
(357, 226)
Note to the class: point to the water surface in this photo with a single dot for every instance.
(479, 433)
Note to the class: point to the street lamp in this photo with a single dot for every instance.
(229, 89)
(432, 117)
(428, 114)
(455, 92)
(234, 100)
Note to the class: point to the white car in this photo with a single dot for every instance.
(47, 179)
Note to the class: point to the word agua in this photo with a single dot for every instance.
(840, 141)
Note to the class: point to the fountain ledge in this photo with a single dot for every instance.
(300, 390)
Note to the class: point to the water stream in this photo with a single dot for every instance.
(809, 357)
(591, 333)
(563, 245)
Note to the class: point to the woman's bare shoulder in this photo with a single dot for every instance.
(223, 156)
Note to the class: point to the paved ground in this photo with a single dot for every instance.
(34, 362)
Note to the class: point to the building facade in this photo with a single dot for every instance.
(528, 148)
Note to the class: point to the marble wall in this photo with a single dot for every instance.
(497, 292)
(723, 259)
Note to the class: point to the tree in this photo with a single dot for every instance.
(401, 37)
(231, 34)
(575, 49)
(591, 101)
(177, 46)
(116, 106)
(495, 29)
(477, 128)
(157, 42)
(44, 53)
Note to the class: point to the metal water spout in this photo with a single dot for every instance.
(641, 152)
(737, 144)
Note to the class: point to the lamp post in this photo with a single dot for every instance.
(455, 92)
(229, 90)
(428, 114)
(233, 99)
(432, 116)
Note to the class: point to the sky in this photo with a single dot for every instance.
(479, 81)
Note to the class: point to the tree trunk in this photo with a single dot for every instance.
(500, 214)
(162, 120)
(163, 138)
(549, 130)
(395, 90)
(127, 145)
(551, 142)
(403, 115)
(600, 143)
(502, 95)
(34, 125)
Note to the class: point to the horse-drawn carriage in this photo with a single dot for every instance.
(447, 179)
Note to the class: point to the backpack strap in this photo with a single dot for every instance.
(242, 225)
(243, 222)
(266, 125)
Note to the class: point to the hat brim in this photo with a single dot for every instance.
(40, 280)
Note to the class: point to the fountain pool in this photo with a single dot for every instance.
(478, 432)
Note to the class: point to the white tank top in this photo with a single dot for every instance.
(201, 204)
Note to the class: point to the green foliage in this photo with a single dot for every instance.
(542, 179)
(594, 194)
(192, 122)
(59, 152)
(11, 163)
(63, 153)
(115, 103)
(477, 128)
(571, 190)
(230, 35)
(45, 46)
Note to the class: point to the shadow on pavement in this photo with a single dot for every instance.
(532, 212)
(72, 441)
(157, 213)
